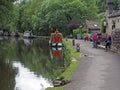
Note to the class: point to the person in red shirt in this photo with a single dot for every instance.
(95, 40)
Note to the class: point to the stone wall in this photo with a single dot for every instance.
(110, 21)
(116, 41)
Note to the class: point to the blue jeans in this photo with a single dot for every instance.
(94, 44)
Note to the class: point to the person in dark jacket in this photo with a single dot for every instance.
(108, 42)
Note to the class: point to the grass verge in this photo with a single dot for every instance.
(75, 56)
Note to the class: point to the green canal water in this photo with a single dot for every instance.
(29, 64)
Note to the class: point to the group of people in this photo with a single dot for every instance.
(96, 38)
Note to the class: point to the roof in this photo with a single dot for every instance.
(117, 30)
(115, 13)
(95, 25)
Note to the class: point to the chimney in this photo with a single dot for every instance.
(110, 6)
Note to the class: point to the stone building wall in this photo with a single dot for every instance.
(110, 21)
(109, 26)
(116, 41)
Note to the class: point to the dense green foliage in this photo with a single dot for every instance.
(44, 16)
(102, 4)
(117, 4)
(81, 31)
(5, 7)
(103, 28)
(8, 15)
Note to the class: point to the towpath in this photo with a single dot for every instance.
(98, 70)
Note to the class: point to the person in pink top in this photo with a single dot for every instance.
(87, 37)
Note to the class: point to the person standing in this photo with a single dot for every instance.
(108, 42)
(86, 37)
(95, 40)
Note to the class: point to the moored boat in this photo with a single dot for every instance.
(56, 39)
(56, 44)
(28, 35)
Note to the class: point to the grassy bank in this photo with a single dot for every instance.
(75, 56)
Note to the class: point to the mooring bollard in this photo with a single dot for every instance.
(73, 41)
(78, 47)
(66, 39)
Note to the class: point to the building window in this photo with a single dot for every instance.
(113, 24)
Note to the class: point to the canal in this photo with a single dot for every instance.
(29, 64)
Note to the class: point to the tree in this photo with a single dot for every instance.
(5, 11)
(60, 13)
(27, 9)
(102, 4)
(44, 16)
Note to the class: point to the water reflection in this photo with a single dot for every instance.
(57, 52)
(27, 80)
(29, 64)
(7, 74)
(28, 41)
